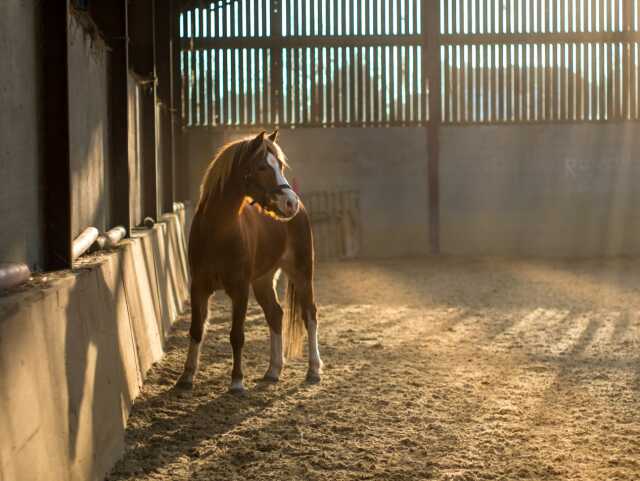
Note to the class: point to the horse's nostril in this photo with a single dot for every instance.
(289, 204)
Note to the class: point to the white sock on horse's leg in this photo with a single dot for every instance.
(193, 358)
(193, 361)
(315, 363)
(276, 361)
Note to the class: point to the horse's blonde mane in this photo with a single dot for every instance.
(220, 168)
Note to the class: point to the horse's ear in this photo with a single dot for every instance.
(273, 136)
(257, 141)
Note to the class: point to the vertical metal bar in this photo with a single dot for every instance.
(362, 80)
(500, 94)
(344, 81)
(375, 91)
(405, 84)
(414, 81)
(486, 86)
(539, 82)
(304, 77)
(552, 83)
(353, 83)
(333, 95)
(313, 102)
(321, 86)
(455, 75)
(517, 84)
(602, 93)
(446, 114)
(387, 81)
(579, 78)
(611, 112)
(571, 81)
(464, 105)
(509, 83)
(242, 117)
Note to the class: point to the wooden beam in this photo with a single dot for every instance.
(276, 41)
(537, 38)
(111, 17)
(163, 59)
(431, 68)
(277, 109)
(57, 174)
(142, 63)
(180, 176)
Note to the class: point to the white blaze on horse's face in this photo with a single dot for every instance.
(287, 200)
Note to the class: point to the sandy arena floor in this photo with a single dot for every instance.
(445, 369)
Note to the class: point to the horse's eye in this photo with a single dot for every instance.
(262, 167)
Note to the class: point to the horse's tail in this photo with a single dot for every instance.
(293, 327)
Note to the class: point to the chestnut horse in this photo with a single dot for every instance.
(249, 223)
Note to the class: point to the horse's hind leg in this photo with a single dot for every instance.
(199, 302)
(265, 293)
(309, 314)
(304, 297)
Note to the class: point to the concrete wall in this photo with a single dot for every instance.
(385, 165)
(559, 190)
(74, 351)
(89, 129)
(20, 131)
(545, 190)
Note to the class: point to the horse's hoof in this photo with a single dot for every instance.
(270, 378)
(313, 377)
(237, 388)
(237, 391)
(184, 385)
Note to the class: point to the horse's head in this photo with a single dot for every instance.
(264, 177)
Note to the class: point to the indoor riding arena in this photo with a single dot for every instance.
(320, 240)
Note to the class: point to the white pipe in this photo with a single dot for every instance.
(13, 274)
(84, 241)
(115, 235)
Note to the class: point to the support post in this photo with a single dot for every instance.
(57, 173)
(141, 61)
(111, 17)
(431, 67)
(276, 113)
(180, 176)
(163, 55)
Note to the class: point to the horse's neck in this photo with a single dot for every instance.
(222, 208)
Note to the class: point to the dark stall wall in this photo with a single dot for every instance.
(21, 232)
(89, 129)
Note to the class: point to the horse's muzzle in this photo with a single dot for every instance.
(286, 204)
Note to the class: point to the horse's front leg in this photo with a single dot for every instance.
(239, 294)
(200, 293)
